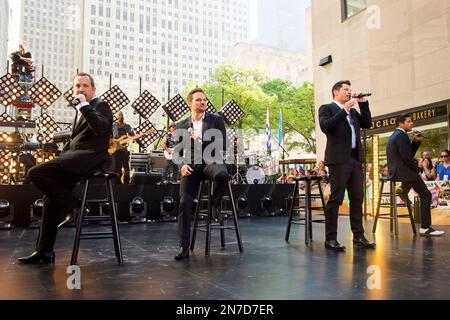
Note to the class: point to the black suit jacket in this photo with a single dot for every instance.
(333, 122)
(211, 121)
(400, 153)
(88, 145)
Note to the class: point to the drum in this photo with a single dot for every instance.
(269, 165)
(255, 175)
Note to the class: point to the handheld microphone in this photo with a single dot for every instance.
(421, 134)
(361, 95)
(75, 102)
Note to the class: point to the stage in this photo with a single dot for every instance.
(269, 268)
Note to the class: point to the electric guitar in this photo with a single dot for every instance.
(167, 155)
(121, 143)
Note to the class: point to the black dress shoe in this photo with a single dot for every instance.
(36, 257)
(183, 254)
(334, 245)
(363, 243)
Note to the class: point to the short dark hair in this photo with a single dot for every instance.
(191, 94)
(401, 118)
(338, 85)
(84, 74)
(446, 151)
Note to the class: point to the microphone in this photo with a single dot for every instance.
(75, 102)
(421, 134)
(361, 95)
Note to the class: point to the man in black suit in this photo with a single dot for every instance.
(403, 167)
(86, 150)
(344, 156)
(203, 142)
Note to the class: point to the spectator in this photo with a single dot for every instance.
(443, 169)
(427, 170)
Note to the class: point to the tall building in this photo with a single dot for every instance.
(275, 63)
(52, 31)
(397, 50)
(281, 24)
(155, 40)
(4, 22)
(159, 41)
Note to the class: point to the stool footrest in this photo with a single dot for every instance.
(97, 201)
(97, 218)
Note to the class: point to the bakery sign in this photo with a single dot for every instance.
(423, 114)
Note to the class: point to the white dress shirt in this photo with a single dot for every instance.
(350, 122)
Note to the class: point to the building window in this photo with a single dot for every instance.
(352, 7)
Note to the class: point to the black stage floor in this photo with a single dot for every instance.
(410, 267)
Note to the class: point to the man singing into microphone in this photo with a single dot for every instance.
(195, 164)
(403, 167)
(344, 156)
(86, 150)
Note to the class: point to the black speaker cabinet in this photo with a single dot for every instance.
(146, 178)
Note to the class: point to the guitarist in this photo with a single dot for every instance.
(121, 157)
(168, 143)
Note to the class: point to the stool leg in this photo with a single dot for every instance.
(377, 214)
(76, 244)
(209, 219)
(322, 199)
(308, 225)
(411, 217)
(114, 222)
(394, 195)
(291, 209)
(222, 234)
(235, 220)
(391, 209)
(197, 209)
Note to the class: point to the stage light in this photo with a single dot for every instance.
(46, 126)
(116, 99)
(231, 112)
(138, 210)
(44, 93)
(6, 214)
(148, 139)
(146, 104)
(210, 107)
(242, 202)
(176, 108)
(10, 90)
(167, 207)
(266, 201)
(137, 205)
(37, 208)
(168, 203)
(4, 208)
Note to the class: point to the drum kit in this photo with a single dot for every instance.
(253, 168)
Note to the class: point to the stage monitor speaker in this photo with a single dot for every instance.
(146, 178)
(157, 161)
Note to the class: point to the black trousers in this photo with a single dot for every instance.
(122, 160)
(170, 165)
(425, 199)
(347, 176)
(57, 185)
(188, 191)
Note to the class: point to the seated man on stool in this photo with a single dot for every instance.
(86, 150)
(204, 139)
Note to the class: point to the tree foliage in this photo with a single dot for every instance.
(253, 94)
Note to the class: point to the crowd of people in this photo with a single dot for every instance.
(429, 170)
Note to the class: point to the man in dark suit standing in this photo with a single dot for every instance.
(86, 150)
(403, 167)
(204, 137)
(344, 156)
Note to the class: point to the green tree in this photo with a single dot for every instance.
(297, 103)
(242, 85)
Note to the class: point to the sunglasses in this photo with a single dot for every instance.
(444, 156)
